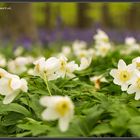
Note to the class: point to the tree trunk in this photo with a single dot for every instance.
(19, 22)
(48, 16)
(83, 20)
(133, 17)
(105, 16)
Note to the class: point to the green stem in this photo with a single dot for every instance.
(46, 82)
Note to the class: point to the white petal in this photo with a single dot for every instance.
(137, 73)
(3, 72)
(15, 83)
(53, 76)
(137, 96)
(113, 72)
(42, 59)
(121, 64)
(24, 86)
(131, 89)
(49, 101)
(116, 81)
(70, 75)
(52, 64)
(131, 67)
(64, 123)
(49, 114)
(72, 66)
(124, 87)
(10, 97)
(4, 88)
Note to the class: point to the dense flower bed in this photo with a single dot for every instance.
(84, 90)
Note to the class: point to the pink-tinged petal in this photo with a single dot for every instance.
(131, 89)
(121, 64)
(137, 96)
(49, 114)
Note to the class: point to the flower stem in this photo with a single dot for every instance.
(46, 82)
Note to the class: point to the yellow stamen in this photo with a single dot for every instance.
(37, 67)
(10, 83)
(104, 49)
(97, 84)
(138, 83)
(106, 40)
(138, 64)
(1, 75)
(82, 55)
(63, 65)
(62, 107)
(124, 75)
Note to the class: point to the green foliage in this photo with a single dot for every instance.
(104, 112)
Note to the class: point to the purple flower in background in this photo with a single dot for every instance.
(25, 42)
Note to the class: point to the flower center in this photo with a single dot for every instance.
(82, 55)
(138, 83)
(37, 68)
(104, 49)
(63, 65)
(10, 83)
(124, 76)
(1, 75)
(62, 107)
(138, 64)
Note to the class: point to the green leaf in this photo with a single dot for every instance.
(15, 108)
(34, 127)
(11, 119)
(100, 129)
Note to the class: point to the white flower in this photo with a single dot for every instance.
(131, 45)
(3, 73)
(124, 75)
(97, 80)
(31, 71)
(84, 63)
(11, 85)
(66, 50)
(30, 59)
(130, 41)
(102, 49)
(18, 66)
(2, 61)
(101, 36)
(58, 107)
(62, 66)
(79, 45)
(70, 68)
(84, 53)
(39, 66)
(100, 77)
(91, 52)
(46, 68)
(18, 51)
(66, 69)
(135, 87)
(136, 61)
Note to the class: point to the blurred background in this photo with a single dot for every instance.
(42, 23)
